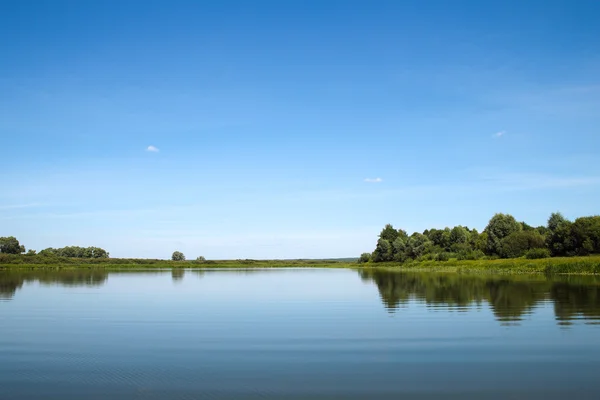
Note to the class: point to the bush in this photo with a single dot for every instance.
(443, 257)
(364, 258)
(534, 254)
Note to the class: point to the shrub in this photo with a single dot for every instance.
(537, 253)
(443, 257)
(364, 258)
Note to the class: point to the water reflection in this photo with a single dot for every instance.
(11, 280)
(510, 298)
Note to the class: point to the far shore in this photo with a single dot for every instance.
(556, 265)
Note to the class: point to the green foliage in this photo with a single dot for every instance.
(75, 252)
(400, 249)
(459, 235)
(538, 253)
(440, 237)
(503, 237)
(585, 233)
(364, 258)
(417, 245)
(30, 252)
(518, 243)
(388, 233)
(201, 259)
(443, 256)
(383, 251)
(559, 239)
(177, 256)
(10, 245)
(499, 227)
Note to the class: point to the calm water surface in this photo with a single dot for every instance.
(297, 334)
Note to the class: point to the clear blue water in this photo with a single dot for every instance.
(297, 334)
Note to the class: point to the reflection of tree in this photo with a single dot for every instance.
(509, 297)
(11, 280)
(8, 286)
(177, 274)
(575, 301)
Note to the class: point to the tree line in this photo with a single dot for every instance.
(11, 245)
(503, 237)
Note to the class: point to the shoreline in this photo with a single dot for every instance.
(585, 265)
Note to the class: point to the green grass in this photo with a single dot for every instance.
(556, 265)
(42, 262)
(570, 265)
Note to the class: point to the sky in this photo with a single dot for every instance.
(291, 129)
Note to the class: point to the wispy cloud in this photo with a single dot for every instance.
(373, 180)
(152, 149)
(499, 134)
(17, 206)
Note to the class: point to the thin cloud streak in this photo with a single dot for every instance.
(499, 134)
(18, 206)
(373, 180)
(152, 149)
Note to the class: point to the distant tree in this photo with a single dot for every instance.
(481, 242)
(97, 252)
(178, 256)
(200, 259)
(440, 237)
(526, 226)
(48, 252)
(389, 233)
(383, 251)
(560, 239)
(517, 244)
(400, 249)
(585, 233)
(10, 245)
(30, 252)
(364, 258)
(556, 219)
(417, 245)
(499, 227)
(459, 234)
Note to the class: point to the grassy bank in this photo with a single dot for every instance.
(558, 265)
(43, 262)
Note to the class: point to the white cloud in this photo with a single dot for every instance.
(499, 134)
(152, 149)
(373, 180)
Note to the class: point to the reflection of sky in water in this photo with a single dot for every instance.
(309, 333)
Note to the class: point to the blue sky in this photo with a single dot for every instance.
(291, 129)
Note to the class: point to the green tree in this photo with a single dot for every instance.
(10, 245)
(518, 243)
(400, 249)
(417, 245)
(30, 252)
(560, 238)
(585, 233)
(364, 258)
(389, 233)
(556, 219)
(383, 251)
(177, 256)
(459, 234)
(499, 227)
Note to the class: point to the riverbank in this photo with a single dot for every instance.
(557, 265)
